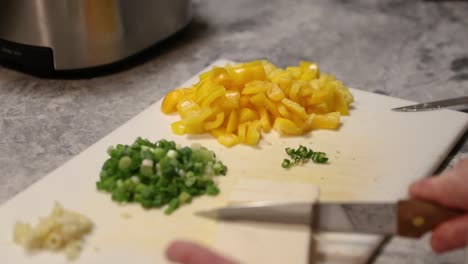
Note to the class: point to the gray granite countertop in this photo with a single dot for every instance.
(416, 50)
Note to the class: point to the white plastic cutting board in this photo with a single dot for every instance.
(373, 156)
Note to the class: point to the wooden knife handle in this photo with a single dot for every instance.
(416, 217)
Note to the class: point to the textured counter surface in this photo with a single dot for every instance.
(415, 50)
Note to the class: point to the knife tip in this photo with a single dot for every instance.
(211, 214)
(397, 109)
(404, 109)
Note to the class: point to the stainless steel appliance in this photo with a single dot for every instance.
(46, 36)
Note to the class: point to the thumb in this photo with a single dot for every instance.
(450, 235)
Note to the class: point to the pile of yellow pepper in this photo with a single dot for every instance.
(236, 103)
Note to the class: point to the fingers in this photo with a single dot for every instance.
(450, 235)
(429, 189)
(449, 189)
(191, 253)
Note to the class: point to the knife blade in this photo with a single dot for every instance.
(459, 101)
(407, 218)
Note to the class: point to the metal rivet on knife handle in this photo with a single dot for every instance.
(416, 217)
(418, 221)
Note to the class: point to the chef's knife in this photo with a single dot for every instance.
(459, 101)
(408, 218)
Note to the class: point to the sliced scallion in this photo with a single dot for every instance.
(159, 174)
(301, 155)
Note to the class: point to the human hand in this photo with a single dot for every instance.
(451, 190)
(190, 253)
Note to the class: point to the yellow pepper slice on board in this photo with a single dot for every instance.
(170, 101)
(286, 127)
(228, 140)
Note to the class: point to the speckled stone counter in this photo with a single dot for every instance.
(416, 50)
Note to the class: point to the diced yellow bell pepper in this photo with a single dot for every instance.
(247, 72)
(271, 107)
(247, 114)
(185, 106)
(295, 71)
(307, 124)
(310, 70)
(264, 119)
(207, 74)
(197, 117)
(282, 109)
(346, 93)
(327, 121)
(325, 94)
(284, 83)
(309, 75)
(255, 87)
(253, 134)
(233, 121)
(340, 104)
(268, 66)
(281, 77)
(294, 90)
(275, 93)
(241, 132)
(231, 100)
(209, 125)
(178, 127)
(203, 88)
(298, 121)
(277, 73)
(170, 101)
(258, 99)
(294, 107)
(213, 96)
(228, 140)
(321, 108)
(286, 127)
(221, 76)
(304, 65)
(216, 132)
(194, 129)
(306, 90)
(245, 101)
(245, 98)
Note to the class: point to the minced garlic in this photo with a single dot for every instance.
(61, 230)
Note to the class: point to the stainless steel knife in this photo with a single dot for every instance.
(453, 102)
(408, 218)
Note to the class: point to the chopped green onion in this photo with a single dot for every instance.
(189, 181)
(212, 190)
(219, 168)
(319, 157)
(159, 174)
(124, 163)
(286, 163)
(173, 205)
(184, 198)
(158, 154)
(146, 168)
(172, 153)
(301, 155)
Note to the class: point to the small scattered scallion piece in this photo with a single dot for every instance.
(159, 174)
(301, 155)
